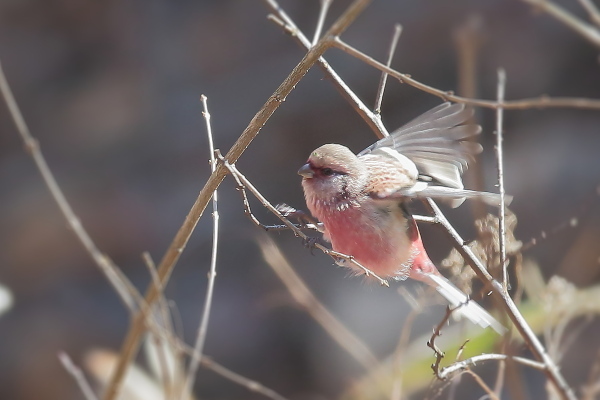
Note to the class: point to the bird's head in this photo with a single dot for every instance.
(331, 172)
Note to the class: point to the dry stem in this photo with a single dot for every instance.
(585, 30)
(384, 75)
(500, 164)
(540, 102)
(77, 374)
(137, 327)
(281, 18)
(212, 274)
(534, 344)
(303, 296)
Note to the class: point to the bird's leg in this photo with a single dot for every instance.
(304, 219)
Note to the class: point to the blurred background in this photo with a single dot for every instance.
(112, 92)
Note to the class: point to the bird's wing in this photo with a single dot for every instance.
(453, 196)
(388, 172)
(437, 142)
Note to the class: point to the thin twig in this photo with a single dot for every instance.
(303, 296)
(552, 371)
(281, 18)
(437, 332)
(490, 394)
(322, 15)
(500, 161)
(161, 352)
(384, 75)
(130, 345)
(32, 147)
(501, 372)
(458, 366)
(585, 30)
(539, 102)
(244, 183)
(203, 328)
(502, 209)
(77, 374)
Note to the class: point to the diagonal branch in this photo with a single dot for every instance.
(281, 18)
(384, 75)
(458, 366)
(539, 102)
(131, 343)
(585, 30)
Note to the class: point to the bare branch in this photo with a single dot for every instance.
(322, 15)
(534, 344)
(303, 296)
(131, 343)
(458, 366)
(592, 11)
(437, 332)
(212, 274)
(500, 164)
(77, 374)
(490, 394)
(540, 102)
(158, 330)
(108, 268)
(286, 23)
(585, 30)
(384, 75)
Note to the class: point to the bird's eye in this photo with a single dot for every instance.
(327, 171)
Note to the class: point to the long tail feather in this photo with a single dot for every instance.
(466, 307)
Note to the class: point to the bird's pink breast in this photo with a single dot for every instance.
(375, 240)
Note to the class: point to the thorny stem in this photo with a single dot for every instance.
(131, 343)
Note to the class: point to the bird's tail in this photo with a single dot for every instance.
(465, 306)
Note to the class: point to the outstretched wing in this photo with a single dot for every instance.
(437, 142)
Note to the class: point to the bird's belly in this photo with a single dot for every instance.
(376, 239)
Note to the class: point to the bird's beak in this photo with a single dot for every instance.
(306, 171)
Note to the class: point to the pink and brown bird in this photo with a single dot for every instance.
(361, 199)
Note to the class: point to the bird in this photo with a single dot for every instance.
(361, 199)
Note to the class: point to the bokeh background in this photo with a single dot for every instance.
(111, 90)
